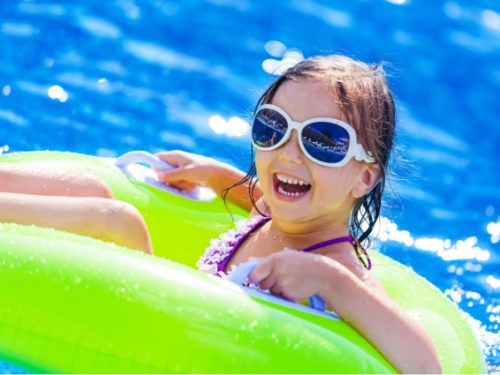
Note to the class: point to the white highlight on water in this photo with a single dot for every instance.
(233, 128)
(57, 92)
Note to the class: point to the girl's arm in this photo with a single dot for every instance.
(196, 170)
(366, 306)
(105, 219)
(362, 304)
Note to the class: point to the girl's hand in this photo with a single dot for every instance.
(290, 274)
(296, 275)
(196, 170)
(192, 170)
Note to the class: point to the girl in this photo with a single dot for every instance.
(324, 132)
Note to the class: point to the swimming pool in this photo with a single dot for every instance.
(156, 75)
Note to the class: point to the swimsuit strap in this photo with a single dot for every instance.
(222, 265)
(350, 239)
(330, 242)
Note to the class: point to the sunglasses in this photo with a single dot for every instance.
(324, 140)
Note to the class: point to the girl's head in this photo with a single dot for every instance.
(340, 88)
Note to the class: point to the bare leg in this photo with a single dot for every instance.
(101, 218)
(15, 178)
(73, 202)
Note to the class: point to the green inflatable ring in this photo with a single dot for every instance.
(72, 304)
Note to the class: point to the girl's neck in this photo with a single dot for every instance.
(311, 232)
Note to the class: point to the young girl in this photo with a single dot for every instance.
(324, 132)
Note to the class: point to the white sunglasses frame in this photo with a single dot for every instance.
(355, 149)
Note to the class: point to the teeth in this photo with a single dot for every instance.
(290, 181)
(280, 189)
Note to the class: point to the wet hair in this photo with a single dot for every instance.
(362, 92)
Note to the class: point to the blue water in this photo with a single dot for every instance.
(151, 74)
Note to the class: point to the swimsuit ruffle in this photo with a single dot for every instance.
(220, 248)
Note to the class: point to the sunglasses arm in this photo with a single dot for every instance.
(362, 155)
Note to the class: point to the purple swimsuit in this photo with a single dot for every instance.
(220, 250)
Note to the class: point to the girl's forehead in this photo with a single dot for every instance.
(305, 100)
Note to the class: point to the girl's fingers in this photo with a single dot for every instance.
(174, 158)
(276, 289)
(179, 174)
(268, 283)
(185, 185)
(262, 271)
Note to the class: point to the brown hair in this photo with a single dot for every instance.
(364, 97)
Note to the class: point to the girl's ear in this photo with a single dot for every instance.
(370, 176)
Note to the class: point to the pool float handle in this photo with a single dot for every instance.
(244, 270)
(142, 157)
(127, 165)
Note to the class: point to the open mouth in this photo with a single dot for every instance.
(290, 188)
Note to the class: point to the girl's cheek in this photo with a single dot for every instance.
(263, 164)
(264, 161)
(330, 186)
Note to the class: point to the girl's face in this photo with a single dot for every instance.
(331, 194)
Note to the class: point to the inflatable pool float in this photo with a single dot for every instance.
(72, 304)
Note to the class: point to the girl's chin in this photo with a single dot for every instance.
(295, 211)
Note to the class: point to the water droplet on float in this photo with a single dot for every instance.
(136, 286)
(12, 243)
(88, 167)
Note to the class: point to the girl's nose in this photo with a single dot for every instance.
(291, 151)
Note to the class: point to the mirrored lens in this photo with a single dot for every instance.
(326, 142)
(269, 127)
